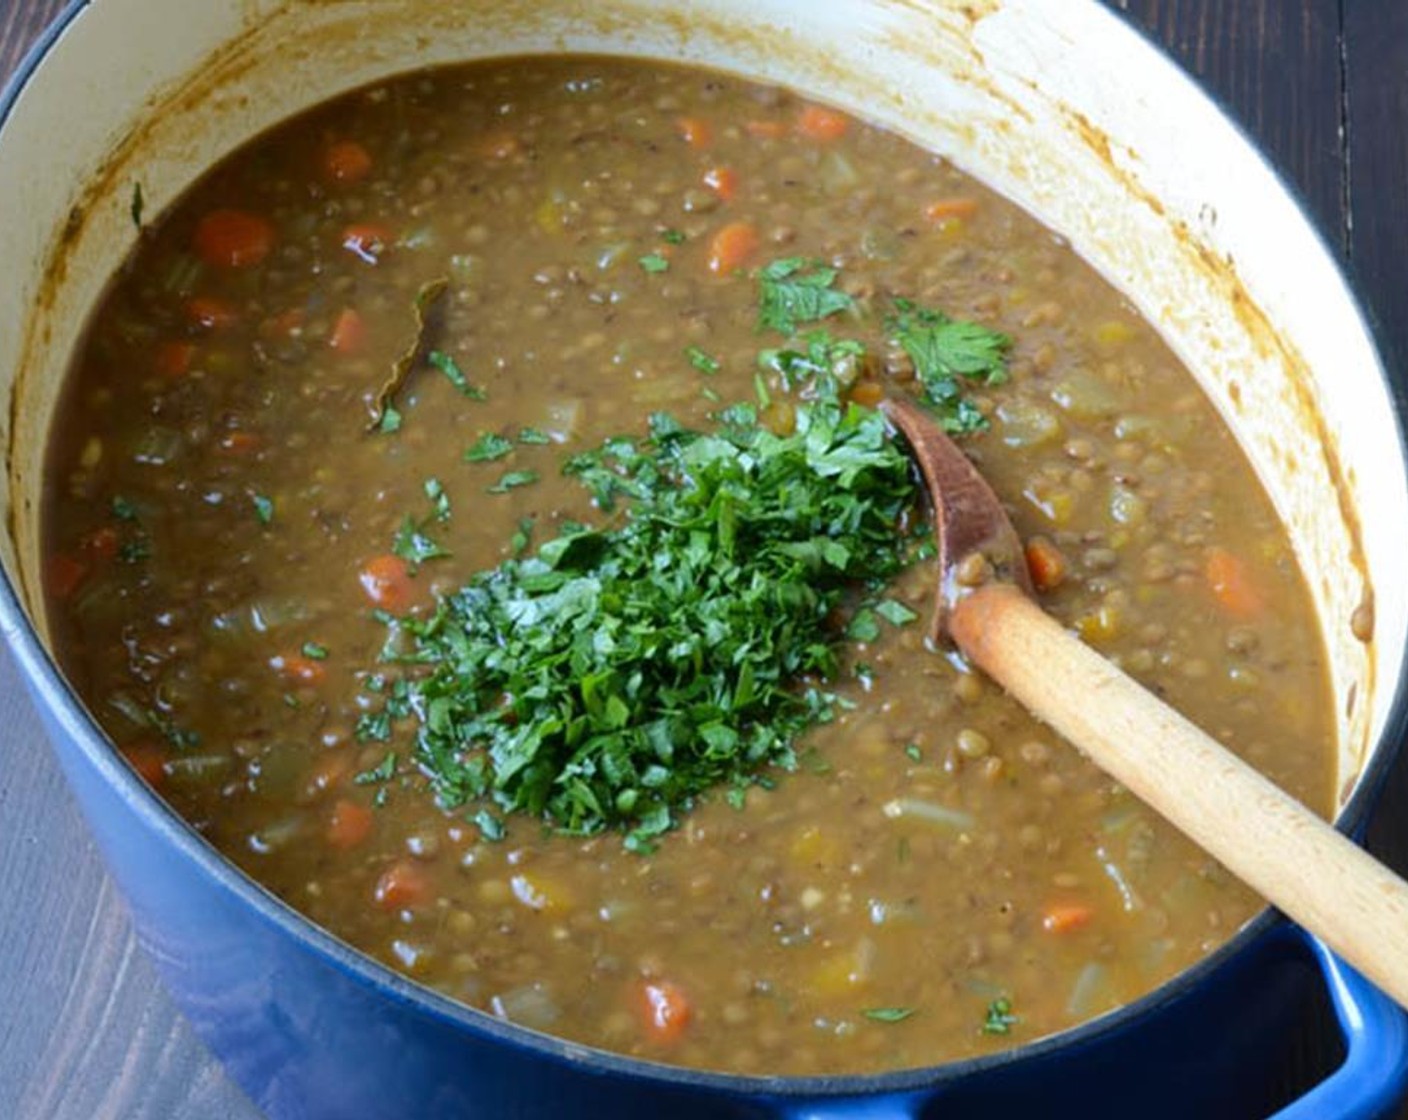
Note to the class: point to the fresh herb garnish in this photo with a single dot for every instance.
(390, 421)
(522, 537)
(913, 753)
(654, 262)
(122, 509)
(864, 626)
(616, 675)
(456, 376)
(895, 612)
(796, 290)
(135, 550)
(533, 436)
(888, 1014)
(413, 546)
(488, 447)
(946, 351)
(490, 827)
(263, 508)
(702, 361)
(384, 771)
(315, 652)
(1000, 1019)
(673, 237)
(439, 500)
(511, 480)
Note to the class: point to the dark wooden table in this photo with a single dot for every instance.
(85, 1029)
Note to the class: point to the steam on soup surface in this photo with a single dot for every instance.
(336, 386)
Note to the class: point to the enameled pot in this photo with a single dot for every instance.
(1062, 107)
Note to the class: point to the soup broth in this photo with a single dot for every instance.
(340, 379)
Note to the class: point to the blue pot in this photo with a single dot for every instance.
(312, 1029)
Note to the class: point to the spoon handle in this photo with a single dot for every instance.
(1269, 840)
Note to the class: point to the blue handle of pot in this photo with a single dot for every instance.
(1374, 1074)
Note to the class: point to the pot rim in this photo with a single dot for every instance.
(49, 688)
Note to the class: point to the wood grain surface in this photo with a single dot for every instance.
(86, 1032)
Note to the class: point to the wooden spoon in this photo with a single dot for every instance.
(1270, 841)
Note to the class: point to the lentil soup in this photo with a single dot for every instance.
(337, 384)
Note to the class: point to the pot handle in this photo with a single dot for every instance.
(1374, 1074)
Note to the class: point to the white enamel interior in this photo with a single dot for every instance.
(1060, 106)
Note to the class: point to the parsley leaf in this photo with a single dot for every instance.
(946, 351)
(673, 237)
(413, 546)
(1000, 1019)
(315, 652)
(451, 369)
(702, 361)
(511, 480)
(390, 421)
(888, 1014)
(435, 491)
(533, 436)
(790, 295)
(654, 262)
(383, 771)
(488, 447)
(122, 509)
(895, 612)
(263, 508)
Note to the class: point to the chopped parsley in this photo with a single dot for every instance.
(456, 376)
(488, 447)
(613, 675)
(390, 421)
(122, 509)
(945, 352)
(654, 262)
(796, 290)
(413, 546)
(888, 1014)
(263, 508)
(673, 237)
(511, 480)
(383, 771)
(702, 361)
(616, 675)
(439, 500)
(1000, 1019)
(315, 652)
(533, 436)
(135, 550)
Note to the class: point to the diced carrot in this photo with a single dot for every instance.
(387, 583)
(211, 313)
(349, 333)
(1231, 584)
(102, 543)
(298, 668)
(731, 247)
(240, 443)
(367, 240)
(148, 759)
(1066, 917)
(868, 393)
(173, 359)
(946, 209)
(765, 130)
(696, 132)
(665, 1010)
(346, 162)
(402, 886)
(821, 124)
(1046, 563)
(723, 181)
(351, 823)
(233, 239)
(500, 146)
(65, 573)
